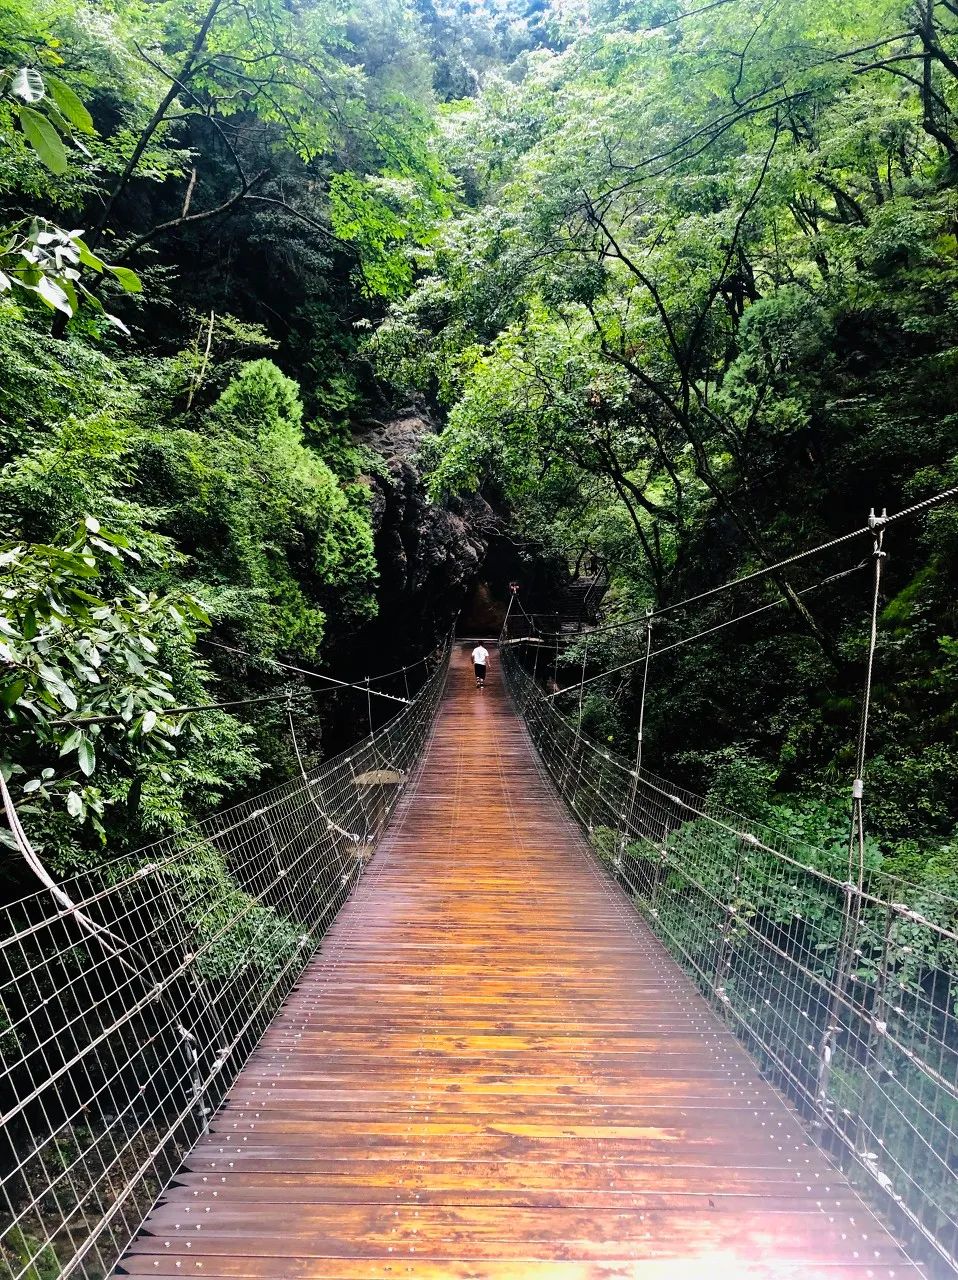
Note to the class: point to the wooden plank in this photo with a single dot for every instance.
(410, 1268)
(493, 1069)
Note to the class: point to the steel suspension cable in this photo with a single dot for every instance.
(833, 999)
(857, 834)
(305, 671)
(641, 733)
(172, 711)
(150, 868)
(906, 513)
(867, 530)
(120, 949)
(852, 890)
(719, 626)
(330, 823)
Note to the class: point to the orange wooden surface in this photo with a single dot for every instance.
(493, 1069)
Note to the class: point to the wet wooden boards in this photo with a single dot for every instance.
(493, 1069)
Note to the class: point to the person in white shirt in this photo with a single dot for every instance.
(480, 656)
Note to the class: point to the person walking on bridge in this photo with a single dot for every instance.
(480, 656)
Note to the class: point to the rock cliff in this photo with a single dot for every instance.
(430, 555)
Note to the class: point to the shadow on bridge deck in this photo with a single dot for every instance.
(493, 1069)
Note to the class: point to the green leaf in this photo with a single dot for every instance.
(134, 664)
(44, 139)
(87, 256)
(11, 692)
(86, 755)
(71, 293)
(129, 280)
(55, 295)
(91, 298)
(194, 607)
(27, 85)
(74, 804)
(72, 742)
(149, 721)
(117, 323)
(70, 105)
(52, 294)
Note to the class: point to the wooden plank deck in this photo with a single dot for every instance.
(493, 1069)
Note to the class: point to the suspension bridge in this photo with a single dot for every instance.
(478, 999)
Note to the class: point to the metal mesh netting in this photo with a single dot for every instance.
(127, 1014)
(845, 995)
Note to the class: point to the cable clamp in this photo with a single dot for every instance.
(858, 788)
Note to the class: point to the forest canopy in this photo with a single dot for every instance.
(174, 181)
(696, 311)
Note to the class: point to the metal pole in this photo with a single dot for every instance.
(513, 593)
(852, 895)
(575, 759)
(628, 816)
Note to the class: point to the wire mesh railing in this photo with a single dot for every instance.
(847, 995)
(131, 997)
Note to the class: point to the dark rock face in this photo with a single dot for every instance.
(429, 555)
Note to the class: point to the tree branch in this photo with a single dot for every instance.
(190, 219)
(154, 123)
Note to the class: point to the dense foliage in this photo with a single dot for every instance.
(183, 191)
(696, 311)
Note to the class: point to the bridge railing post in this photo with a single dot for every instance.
(874, 1036)
(633, 788)
(836, 999)
(722, 963)
(840, 996)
